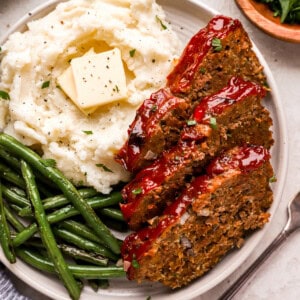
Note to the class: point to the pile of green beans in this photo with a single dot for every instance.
(47, 222)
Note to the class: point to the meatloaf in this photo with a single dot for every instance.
(216, 53)
(156, 127)
(212, 216)
(233, 116)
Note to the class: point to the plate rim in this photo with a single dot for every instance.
(46, 7)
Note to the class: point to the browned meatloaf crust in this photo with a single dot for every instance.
(216, 53)
(239, 118)
(212, 216)
(156, 127)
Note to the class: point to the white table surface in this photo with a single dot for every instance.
(279, 277)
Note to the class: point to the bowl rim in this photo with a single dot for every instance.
(263, 18)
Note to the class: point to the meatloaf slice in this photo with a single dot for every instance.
(156, 126)
(216, 53)
(233, 116)
(212, 216)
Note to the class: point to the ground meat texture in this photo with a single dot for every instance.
(156, 126)
(218, 217)
(202, 70)
(242, 122)
(158, 184)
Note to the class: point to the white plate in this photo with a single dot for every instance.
(187, 17)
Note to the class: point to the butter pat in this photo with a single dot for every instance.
(95, 79)
(66, 82)
(99, 78)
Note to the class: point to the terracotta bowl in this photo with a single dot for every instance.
(262, 17)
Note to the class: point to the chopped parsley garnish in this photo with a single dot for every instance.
(45, 84)
(87, 131)
(153, 108)
(163, 26)
(202, 70)
(135, 263)
(266, 86)
(0, 49)
(4, 95)
(117, 89)
(132, 52)
(137, 191)
(216, 44)
(191, 122)
(104, 167)
(273, 179)
(213, 123)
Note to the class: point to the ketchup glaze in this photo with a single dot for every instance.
(181, 78)
(245, 159)
(236, 91)
(153, 176)
(149, 178)
(143, 125)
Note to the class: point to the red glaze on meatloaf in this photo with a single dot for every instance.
(212, 215)
(233, 116)
(156, 127)
(216, 53)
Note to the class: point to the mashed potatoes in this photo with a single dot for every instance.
(41, 115)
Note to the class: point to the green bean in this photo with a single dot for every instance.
(45, 181)
(65, 213)
(26, 212)
(68, 189)
(80, 254)
(79, 271)
(14, 198)
(59, 200)
(94, 272)
(11, 176)
(13, 162)
(36, 243)
(16, 207)
(10, 159)
(47, 235)
(44, 190)
(33, 242)
(81, 230)
(113, 213)
(5, 239)
(13, 220)
(83, 243)
(17, 191)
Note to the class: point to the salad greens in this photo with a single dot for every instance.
(288, 10)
